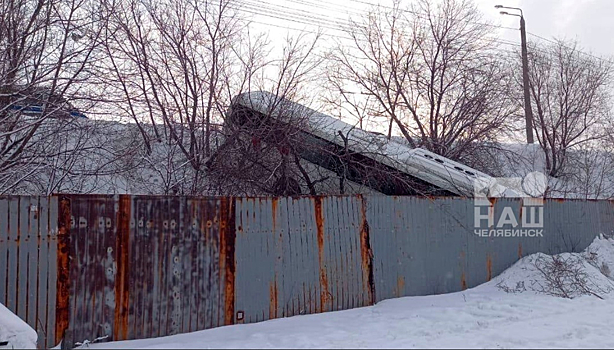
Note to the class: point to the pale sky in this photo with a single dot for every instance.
(588, 21)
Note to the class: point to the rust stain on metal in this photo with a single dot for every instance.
(63, 279)
(463, 281)
(273, 299)
(320, 231)
(491, 209)
(227, 256)
(367, 255)
(519, 250)
(488, 267)
(400, 286)
(274, 204)
(122, 283)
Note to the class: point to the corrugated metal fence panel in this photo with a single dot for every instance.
(83, 267)
(299, 256)
(149, 266)
(568, 226)
(342, 220)
(92, 267)
(28, 242)
(427, 246)
(257, 254)
(417, 245)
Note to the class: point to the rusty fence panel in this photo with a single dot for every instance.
(145, 266)
(28, 261)
(300, 256)
(91, 240)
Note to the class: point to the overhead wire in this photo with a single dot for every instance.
(579, 51)
(257, 9)
(310, 18)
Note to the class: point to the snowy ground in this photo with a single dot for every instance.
(15, 331)
(482, 317)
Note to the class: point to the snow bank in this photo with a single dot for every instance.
(568, 274)
(601, 255)
(14, 330)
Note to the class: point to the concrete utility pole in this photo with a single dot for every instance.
(528, 111)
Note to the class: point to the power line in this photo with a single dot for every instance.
(284, 16)
(327, 21)
(570, 48)
(423, 17)
(495, 26)
(303, 30)
(267, 9)
(260, 7)
(331, 7)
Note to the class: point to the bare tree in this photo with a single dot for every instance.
(47, 50)
(570, 99)
(175, 66)
(588, 173)
(430, 71)
(259, 153)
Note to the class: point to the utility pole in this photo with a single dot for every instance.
(528, 111)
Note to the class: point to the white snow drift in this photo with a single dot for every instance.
(15, 331)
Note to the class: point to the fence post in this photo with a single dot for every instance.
(366, 252)
(122, 282)
(63, 280)
(227, 256)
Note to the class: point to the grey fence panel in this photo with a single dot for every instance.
(4, 250)
(429, 245)
(500, 252)
(43, 268)
(256, 286)
(13, 240)
(477, 258)
(606, 217)
(380, 232)
(22, 260)
(298, 256)
(28, 263)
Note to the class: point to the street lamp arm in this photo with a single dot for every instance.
(509, 8)
(510, 14)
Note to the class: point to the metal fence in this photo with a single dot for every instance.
(129, 267)
(28, 261)
(427, 246)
